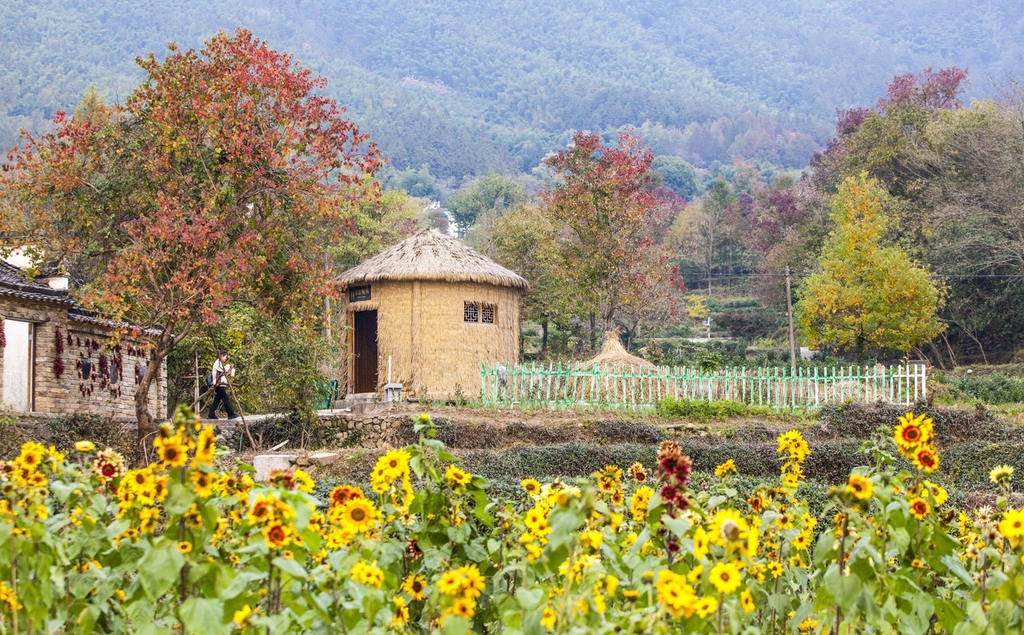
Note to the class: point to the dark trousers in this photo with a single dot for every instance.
(221, 397)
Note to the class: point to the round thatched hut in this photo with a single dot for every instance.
(430, 310)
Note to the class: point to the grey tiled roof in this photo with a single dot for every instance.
(14, 284)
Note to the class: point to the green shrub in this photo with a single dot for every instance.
(703, 410)
(993, 389)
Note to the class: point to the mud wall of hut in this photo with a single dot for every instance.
(434, 351)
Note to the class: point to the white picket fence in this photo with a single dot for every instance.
(641, 388)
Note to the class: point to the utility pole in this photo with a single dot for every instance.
(792, 334)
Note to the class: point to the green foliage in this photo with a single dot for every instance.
(490, 194)
(677, 174)
(993, 389)
(279, 362)
(416, 183)
(707, 410)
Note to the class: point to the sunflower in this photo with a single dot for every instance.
(463, 607)
(344, 493)
(303, 482)
(276, 535)
(725, 577)
(358, 515)
(859, 487)
(457, 477)
(938, 493)
(919, 507)
(206, 445)
(618, 497)
(32, 454)
(548, 618)
(416, 587)
(450, 583)
(170, 451)
(1001, 474)
(395, 463)
(1012, 525)
(909, 434)
(202, 483)
(532, 486)
(729, 467)
(701, 541)
(801, 542)
(85, 446)
(775, 569)
(747, 601)
(367, 573)
(184, 547)
(637, 472)
(926, 459)
(536, 519)
(706, 606)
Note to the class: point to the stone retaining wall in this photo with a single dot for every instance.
(378, 428)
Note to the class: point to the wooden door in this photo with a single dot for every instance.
(364, 350)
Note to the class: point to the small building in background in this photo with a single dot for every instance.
(430, 310)
(58, 359)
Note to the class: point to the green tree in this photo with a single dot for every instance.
(867, 295)
(524, 240)
(491, 193)
(677, 174)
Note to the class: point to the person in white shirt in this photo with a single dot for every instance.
(221, 371)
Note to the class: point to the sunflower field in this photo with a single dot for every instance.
(186, 546)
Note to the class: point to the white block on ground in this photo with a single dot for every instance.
(323, 458)
(267, 463)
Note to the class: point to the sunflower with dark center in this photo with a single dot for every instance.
(277, 536)
(358, 515)
(859, 487)
(926, 459)
(919, 508)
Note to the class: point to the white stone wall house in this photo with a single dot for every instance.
(57, 358)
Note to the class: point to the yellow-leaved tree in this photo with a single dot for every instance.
(867, 294)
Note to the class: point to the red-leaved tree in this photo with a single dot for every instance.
(604, 199)
(221, 179)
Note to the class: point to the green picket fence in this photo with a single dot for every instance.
(640, 388)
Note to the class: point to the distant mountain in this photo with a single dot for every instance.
(467, 86)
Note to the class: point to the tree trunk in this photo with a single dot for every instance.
(860, 349)
(164, 344)
(543, 337)
(143, 417)
(593, 331)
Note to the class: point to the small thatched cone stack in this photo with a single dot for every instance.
(612, 354)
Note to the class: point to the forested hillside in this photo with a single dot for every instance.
(468, 87)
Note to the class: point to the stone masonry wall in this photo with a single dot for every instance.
(110, 389)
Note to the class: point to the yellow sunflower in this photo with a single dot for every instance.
(416, 587)
(859, 487)
(919, 508)
(925, 459)
(358, 515)
(725, 577)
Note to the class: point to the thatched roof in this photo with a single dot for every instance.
(612, 354)
(430, 255)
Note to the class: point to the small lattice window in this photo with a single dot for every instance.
(487, 313)
(471, 312)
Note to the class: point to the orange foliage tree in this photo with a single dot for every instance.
(603, 197)
(221, 179)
